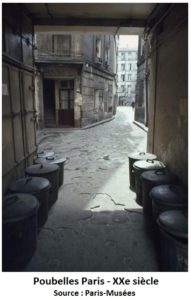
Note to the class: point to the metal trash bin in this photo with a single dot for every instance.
(173, 227)
(167, 197)
(133, 157)
(50, 172)
(54, 159)
(19, 230)
(38, 187)
(140, 167)
(150, 179)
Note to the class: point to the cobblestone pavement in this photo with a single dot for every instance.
(95, 225)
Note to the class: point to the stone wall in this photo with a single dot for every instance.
(168, 104)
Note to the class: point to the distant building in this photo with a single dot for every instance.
(75, 79)
(140, 100)
(126, 75)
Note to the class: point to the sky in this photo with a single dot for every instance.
(128, 40)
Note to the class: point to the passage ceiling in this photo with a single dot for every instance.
(120, 18)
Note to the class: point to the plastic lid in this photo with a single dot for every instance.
(148, 164)
(29, 185)
(141, 155)
(18, 207)
(44, 168)
(161, 176)
(169, 194)
(53, 159)
(45, 153)
(174, 222)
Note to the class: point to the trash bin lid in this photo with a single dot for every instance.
(45, 153)
(54, 159)
(169, 194)
(44, 168)
(159, 176)
(148, 164)
(174, 222)
(141, 155)
(29, 185)
(18, 207)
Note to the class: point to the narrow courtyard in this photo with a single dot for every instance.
(95, 225)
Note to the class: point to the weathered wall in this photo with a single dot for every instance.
(168, 100)
(140, 100)
(98, 96)
(38, 100)
(18, 110)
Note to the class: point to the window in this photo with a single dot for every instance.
(107, 55)
(123, 67)
(122, 77)
(130, 67)
(123, 55)
(129, 76)
(123, 88)
(98, 47)
(61, 44)
(67, 94)
(129, 89)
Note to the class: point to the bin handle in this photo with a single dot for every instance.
(141, 153)
(10, 201)
(50, 158)
(150, 160)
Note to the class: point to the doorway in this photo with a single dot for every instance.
(66, 103)
(49, 103)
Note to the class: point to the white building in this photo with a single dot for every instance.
(126, 75)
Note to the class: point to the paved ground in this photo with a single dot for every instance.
(96, 225)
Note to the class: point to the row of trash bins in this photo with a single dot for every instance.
(26, 207)
(165, 203)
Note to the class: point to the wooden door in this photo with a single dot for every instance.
(66, 111)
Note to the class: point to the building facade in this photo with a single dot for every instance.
(141, 98)
(127, 75)
(76, 78)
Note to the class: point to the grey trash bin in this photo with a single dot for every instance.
(150, 179)
(140, 167)
(173, 227)
(38, 187)
(50, 172)
(19, 232)
(167, 197)
(133, 157)
(54, 159)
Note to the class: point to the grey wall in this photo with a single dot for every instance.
(18, 110)
(168, 99)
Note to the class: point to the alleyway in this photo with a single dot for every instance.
(96, 225)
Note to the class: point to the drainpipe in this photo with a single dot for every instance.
(146, 79)
(155, 91)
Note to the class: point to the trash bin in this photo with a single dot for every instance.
(150, 179)
(140, 167)
(19, 232)
(50, 172)
(38, 187)
(54, 159)
(173, 227)
(167, 197)
(133, 157)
